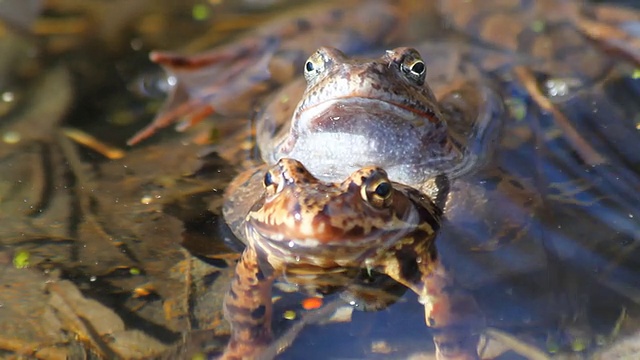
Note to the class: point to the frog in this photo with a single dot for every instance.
(302, 228)
(379, 111)
(475, 122)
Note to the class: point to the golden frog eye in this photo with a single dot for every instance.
(414, 68)
(377, 189)
(314, 66)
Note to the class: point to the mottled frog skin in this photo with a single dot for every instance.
(303, 226)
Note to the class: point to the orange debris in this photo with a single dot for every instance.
(311, 303)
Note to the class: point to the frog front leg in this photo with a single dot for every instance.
(248, 308)
(450, 311)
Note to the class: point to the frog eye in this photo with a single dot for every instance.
(414, 69)
(272, 182)
(377, 189)
(314, 66)
(418, 68)
(309, 67)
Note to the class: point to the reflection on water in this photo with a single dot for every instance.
(130, 257)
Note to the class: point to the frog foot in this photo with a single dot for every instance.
(218, 81)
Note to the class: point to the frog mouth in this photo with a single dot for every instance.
(317, 253)
(409, 110)
(314, 251)
(338, 246)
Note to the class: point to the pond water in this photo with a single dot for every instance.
(110, 250)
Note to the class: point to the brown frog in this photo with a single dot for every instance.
(333, 227)
(300, 227)
(357, 112)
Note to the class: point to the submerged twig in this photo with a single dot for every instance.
(588, 154)
(527, 350)
(90, 141)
